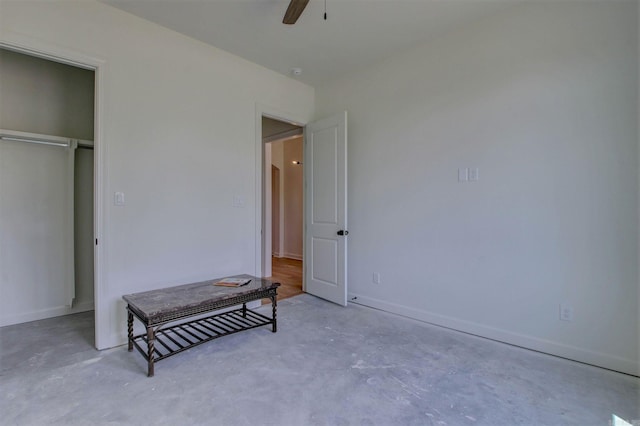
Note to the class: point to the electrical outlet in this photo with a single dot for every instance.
(566, 313)
(376, 278)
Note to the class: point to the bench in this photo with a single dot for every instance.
(168, 315)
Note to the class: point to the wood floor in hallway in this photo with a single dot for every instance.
(288, 272)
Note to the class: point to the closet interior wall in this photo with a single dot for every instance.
(48, 98)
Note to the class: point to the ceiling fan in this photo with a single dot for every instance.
(295, 9)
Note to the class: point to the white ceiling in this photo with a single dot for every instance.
(357, 33)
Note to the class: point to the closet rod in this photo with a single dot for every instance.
(16, 139)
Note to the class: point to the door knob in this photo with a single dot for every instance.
(343, 232)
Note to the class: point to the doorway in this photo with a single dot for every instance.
(56, 126)
(283, 201)
(324, 200)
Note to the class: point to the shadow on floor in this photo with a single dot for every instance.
(53, 342)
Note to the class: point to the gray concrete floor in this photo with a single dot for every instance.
(327, 365)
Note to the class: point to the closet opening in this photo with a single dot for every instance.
(46, 189)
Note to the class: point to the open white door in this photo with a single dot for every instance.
(325, 168)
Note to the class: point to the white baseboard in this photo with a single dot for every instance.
(83, 307)
(55, 311)
(292, 256)
(611, 362)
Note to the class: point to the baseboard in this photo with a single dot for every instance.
(610, 362)
(55, 311)
(292, 256)
(82, 307)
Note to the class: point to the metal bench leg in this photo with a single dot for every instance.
(274, 307)
(150, 349)
(130, 330)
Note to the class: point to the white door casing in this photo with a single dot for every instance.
(325, 168)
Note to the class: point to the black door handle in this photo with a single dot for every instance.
(343, 232)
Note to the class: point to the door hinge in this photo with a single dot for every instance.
(96, 241)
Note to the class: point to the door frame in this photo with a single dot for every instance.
(279, 199)
(39, 48)
(276, 114)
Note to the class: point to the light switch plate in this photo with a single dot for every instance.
(566, 312)
(463, 175)
(238, 201)
(118, 199)
(474, 174)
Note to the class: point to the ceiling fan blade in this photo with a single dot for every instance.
(295, 9)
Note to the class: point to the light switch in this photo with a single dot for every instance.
(463, 175)
(474, 174)
(238, 201)
(118, 199)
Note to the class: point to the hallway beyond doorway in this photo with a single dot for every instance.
(288, 272)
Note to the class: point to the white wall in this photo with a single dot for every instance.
(83, 221)
(293, 198)
(277, 154)
(544, 101)
(178, 126)
(35, 255)
(283, 153)
(277, 160)
(275, 211)
(46, 97)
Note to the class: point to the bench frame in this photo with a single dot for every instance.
(174, 335)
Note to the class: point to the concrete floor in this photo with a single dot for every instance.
(327, 365)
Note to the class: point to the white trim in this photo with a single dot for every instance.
(281, 225)
(270, 112)
(611, 362)
(100, 212)
(638, 206)
(292, 256)
(45, 313)
(280, 244)
(22, 46)
(267, 237)
(44, 49)
(70, 243)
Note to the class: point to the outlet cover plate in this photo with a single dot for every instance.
(566, 313)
